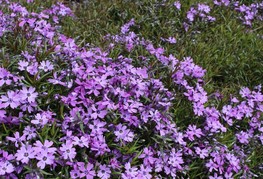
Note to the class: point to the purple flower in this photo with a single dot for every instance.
(229, 175)
(12, 99)
(191, 14)
(234, 162)
(193, 131)
(211, 165)
(122, 133)
(34, 175)
(203, 153)
(97, 127)
(29, 107)
(29, 132)
(144, 172)
(5, 77)
(147, 156)
(177, 4)
(2, 114)
(93, 88)
(114, 163)
(215, 177)
(44, 159)
(6, 156)
(104, 172)
(171, 40)
(46, 66)
(86, 171)
(6, 167)
(95, 113)
(22, 65)
(204, 8)
(17, 139)
(44, 148)
(25, 153)
(243, 137)
(99, 145)
(75, 173)
(219, 3)
(176, 159)
(130, 172)
(32, 69)
(82, 141)
(28, 94)
(40, 120)
(68, 152)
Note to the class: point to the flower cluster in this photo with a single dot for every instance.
(202, 12)
(199, 13)
(76, 112)
(250, 12)
(247, 13)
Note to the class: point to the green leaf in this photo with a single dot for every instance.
(45, 173)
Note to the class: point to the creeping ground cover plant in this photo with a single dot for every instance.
(81, 111)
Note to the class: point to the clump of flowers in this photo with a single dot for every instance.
(75, 112)
(249, 13)
(201, 13)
